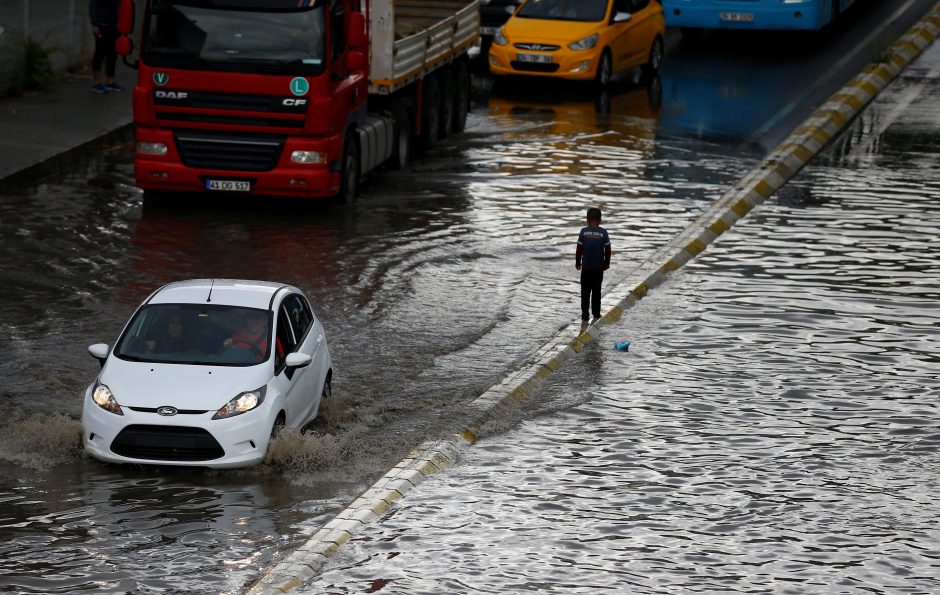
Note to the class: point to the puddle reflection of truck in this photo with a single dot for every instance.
(293, 98)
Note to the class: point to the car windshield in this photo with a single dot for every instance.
(207, 34)
(564, 10)
(198, 334)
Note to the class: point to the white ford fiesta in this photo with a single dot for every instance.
(205, 373)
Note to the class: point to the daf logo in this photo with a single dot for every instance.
(159, 94)
(167, 411)
(294, 102)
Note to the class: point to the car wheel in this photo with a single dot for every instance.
(655, 60)
(349, 177)
(328, 386)
(604, 70)
(278, 426)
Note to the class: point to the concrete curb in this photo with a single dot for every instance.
(756, 187)
(66, 160)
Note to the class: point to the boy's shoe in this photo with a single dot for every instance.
(99, 88)
(114, 87)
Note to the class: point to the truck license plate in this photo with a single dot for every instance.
(491, 31)
(228, 185)
(737, 17)
(534, 58)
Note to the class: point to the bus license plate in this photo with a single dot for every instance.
(534, 58)
(737, 17)
(228, 185)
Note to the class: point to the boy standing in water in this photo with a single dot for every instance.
(592, 258)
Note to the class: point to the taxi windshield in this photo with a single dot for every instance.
(199, 334)
(564, 10)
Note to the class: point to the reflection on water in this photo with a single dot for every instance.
(437, 283)
(775, 426)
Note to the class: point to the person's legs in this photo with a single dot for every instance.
(596, 293)
(96, 60)
(110, 35)
(585, 293)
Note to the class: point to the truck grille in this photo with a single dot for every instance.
(239, 152)
(252, 110)
(166, 443)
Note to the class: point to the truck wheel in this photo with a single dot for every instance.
(401, 150)
(431, 116)
(448, 92)
(461, 95)
(349, 177)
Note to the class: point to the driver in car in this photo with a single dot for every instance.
(254, 337)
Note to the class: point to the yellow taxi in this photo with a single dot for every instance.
(580, 39)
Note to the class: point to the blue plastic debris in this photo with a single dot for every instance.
(622, 345)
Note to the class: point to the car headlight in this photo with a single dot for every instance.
(103, 398)
(243, 403)
(584, 44)
(499, 38)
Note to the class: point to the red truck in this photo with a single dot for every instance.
(293, 97)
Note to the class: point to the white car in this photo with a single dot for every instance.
(205, 373)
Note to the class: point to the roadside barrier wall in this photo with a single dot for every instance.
(499, 400)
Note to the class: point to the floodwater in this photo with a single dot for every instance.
(439, 282)
(775, 426)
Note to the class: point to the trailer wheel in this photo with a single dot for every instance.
(431, 116)
(401, 150)
(448, 93)
(349, 177)
(461, 95)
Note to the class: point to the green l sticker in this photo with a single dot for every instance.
(299, 86)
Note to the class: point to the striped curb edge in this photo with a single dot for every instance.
(758, 185)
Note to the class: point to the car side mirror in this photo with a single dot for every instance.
(356, 31)
(99, 351)
(622, 17)
(298, 360)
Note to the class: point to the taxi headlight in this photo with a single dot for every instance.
(584, 44)
(103, 398)
(243, 403)
(499, 38)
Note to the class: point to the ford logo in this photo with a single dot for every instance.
(167, 410)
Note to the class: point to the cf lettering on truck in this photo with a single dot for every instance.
(293, 97)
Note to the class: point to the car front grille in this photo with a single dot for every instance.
(541, 47)
(166, 443)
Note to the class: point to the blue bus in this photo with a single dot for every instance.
(809, 15)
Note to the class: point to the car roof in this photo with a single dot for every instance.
(225, 292)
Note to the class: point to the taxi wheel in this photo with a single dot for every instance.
(349, 177)
(604, 69)
(655, 60)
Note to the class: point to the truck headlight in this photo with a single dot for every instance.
(151, 148)
(307, 157)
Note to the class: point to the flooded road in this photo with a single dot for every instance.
(775, 426)
(437, 283)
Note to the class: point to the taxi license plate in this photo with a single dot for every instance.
(534, 58)
(737, 17)
(228, 185)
